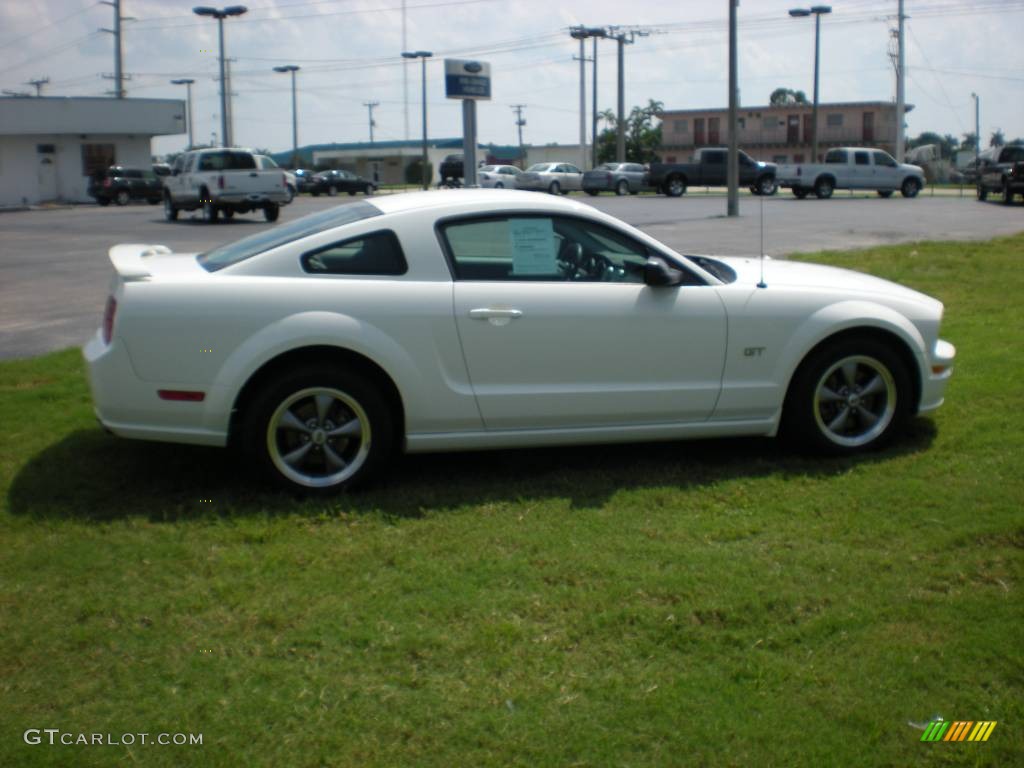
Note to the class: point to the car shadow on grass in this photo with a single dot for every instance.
(90, 475)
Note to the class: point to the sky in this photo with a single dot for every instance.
(349, 54)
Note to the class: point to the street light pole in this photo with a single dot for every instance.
(423, 55)
(292, 69)
(220, 14)
(817, 11)
(732, 169)
(187, 82)
(977, 133)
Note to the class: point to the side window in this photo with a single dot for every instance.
(883, 158)
(861, 158)
(543, 248)
(571, 169)
(378, 253)
(713, 158)
(836, 157)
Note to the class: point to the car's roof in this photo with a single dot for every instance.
(484, 199)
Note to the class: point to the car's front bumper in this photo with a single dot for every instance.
(940, 370)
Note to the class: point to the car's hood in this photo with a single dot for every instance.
(798, 274)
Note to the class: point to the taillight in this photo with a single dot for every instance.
(284, 181)
(220, 182)
(108, 319)
(107, 183)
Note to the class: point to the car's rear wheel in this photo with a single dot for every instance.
(676, 186)
(1007, 192)
(209, 209)
(271, 211)
(555, 188)
(823, 188)
(884, 192)
(122, 197)
(227, 213)
(800, 192)
(910, 188)
(498, 185)
(319, 429)
(622, 188)
(170, 212)
(848, 396)
(332, 190)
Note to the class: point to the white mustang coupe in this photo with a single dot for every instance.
(472, 319)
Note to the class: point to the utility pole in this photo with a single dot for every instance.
(593, 108)
(187, 82)
(520, 122)
(977, 133)
(119, 76)
(38, 84)
(733, 204)
(901, 103)
(623, 38)
(799, 13)
(579, 33)
(292, 69)
(229, 135)
(405, 75)
(369, 106)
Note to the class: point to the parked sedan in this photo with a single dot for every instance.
(498, 176)
(556, 178)
(304, 179)
(472, 319)
(122, 185)
(620, 178)
(333, 182)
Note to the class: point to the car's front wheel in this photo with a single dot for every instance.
(622, 188)
(676, 186)
(823, 189)
(766, 186)
(555, 188)
(910, 188)
(319, 429)
(848, 396)
(122, 197)
(170, 212)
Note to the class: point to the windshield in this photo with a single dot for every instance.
(240, 250)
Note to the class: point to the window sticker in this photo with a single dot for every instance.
(533, 247)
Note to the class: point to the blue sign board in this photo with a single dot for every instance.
(467, 79)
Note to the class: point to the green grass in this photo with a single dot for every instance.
(706, 603)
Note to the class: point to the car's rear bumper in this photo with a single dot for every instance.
(933, 384)
(253, 200)
(129, 407)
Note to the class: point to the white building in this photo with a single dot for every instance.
(49, 146)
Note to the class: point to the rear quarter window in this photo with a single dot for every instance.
(377, 253)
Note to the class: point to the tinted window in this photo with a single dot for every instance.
(544, 248)
(836, 157)
(226, 161)
(378, 253)
(232, 253)
(570, 169)
(861, 158)
(883, 158)
(713, 158)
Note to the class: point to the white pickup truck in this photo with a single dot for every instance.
(223, 182)
(852, 168)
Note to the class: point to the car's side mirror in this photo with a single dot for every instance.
(658, 273)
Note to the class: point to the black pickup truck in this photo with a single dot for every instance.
(708, 169)
(1002, 173)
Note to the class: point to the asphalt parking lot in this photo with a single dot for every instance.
(54, 271)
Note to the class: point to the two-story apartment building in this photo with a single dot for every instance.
(781, 133)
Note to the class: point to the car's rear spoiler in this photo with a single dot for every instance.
(129, 259)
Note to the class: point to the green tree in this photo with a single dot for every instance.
(787, 96)
(997, 139)
(643, 136)
(970, 141)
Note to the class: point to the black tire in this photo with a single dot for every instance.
(1007, 192)
(765, 186)
(332, 190)
(884, 193)
(271, 211)
(170, 211)
(122, 197)
(823, 188)
(227, 213)
(800, 192)
(755, 191)
(622, 188)
(352, 192)
(555, 188)
(348, 396)
(910, 187)
(153, 200)
(498, 185)
(982, 193)
(863, 377)
(675, 186)
(210, 210)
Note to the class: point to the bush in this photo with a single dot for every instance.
(413, 174)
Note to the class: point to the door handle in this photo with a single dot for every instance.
(489, 313)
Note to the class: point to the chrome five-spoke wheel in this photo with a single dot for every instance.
(854, 401)
(319, 437)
